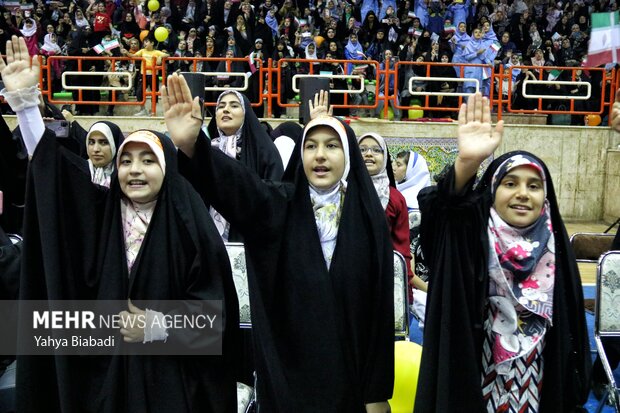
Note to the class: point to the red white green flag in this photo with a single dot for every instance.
(604, 39)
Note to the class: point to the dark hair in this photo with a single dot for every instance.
(404, 155)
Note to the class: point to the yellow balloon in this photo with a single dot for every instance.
(161, 34)
(416, 113)
(407, 357)
(153, 5)
(390, 114)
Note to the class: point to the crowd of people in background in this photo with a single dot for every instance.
(489, 33)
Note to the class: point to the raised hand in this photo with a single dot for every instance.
(321, 105)
(183, 115)
(477, 140)
(18, 72)
(615, 113)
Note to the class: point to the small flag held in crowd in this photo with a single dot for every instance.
(554, 74)
(417, 32)
(604, 39)
(98, 48)
(411, 14)
(112, 44)
(495, 46)
(449, 28)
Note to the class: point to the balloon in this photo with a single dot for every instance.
(415, 113)
(592, 120)
(407, 357)
(143, 34)
(319, 40)
(153, 5)
(390, 114)
(161, 34)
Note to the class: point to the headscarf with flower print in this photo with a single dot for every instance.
(522, 273)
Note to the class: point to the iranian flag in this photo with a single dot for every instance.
(604, 39)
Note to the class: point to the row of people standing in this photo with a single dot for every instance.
(140, 204)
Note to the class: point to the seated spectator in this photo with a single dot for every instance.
(353, 51)
(566, 56)
(50, 48)
(129, 28)
(181, 65)
(224, 67)
(388, 62)
(443, 86)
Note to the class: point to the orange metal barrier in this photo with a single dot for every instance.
(211, 99)
(270, 84)
(46, 70)
(426, 95)
(313, 71)
(542, 74)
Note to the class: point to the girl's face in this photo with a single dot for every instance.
(310, 49)
(229, 114)
(134, 43)
(462, 27)
(372, 154)
(538, 54)
(50, 28)
(477, 34)
(209, 42)
(101, 8)
(99, 150)
(331, 33)
(333, 47)
(400, 169)
(445, 59)
(128, 17)
(520, 196)
(182, 45)
(323, 157)
(231, 41)
(240, 20)
(139, 173)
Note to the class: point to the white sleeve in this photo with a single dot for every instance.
(25, 103)
(155, 329)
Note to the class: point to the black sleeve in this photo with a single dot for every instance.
(248, 203)
(62, 223)
(451, 236)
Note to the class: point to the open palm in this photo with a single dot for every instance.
(477, 140)
(182, 114)
(18, 72)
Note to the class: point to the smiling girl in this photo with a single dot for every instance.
(505, 301)
(148, 238)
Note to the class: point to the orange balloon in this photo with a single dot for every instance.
(143, 34)
(319, 40)
(592, 120)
